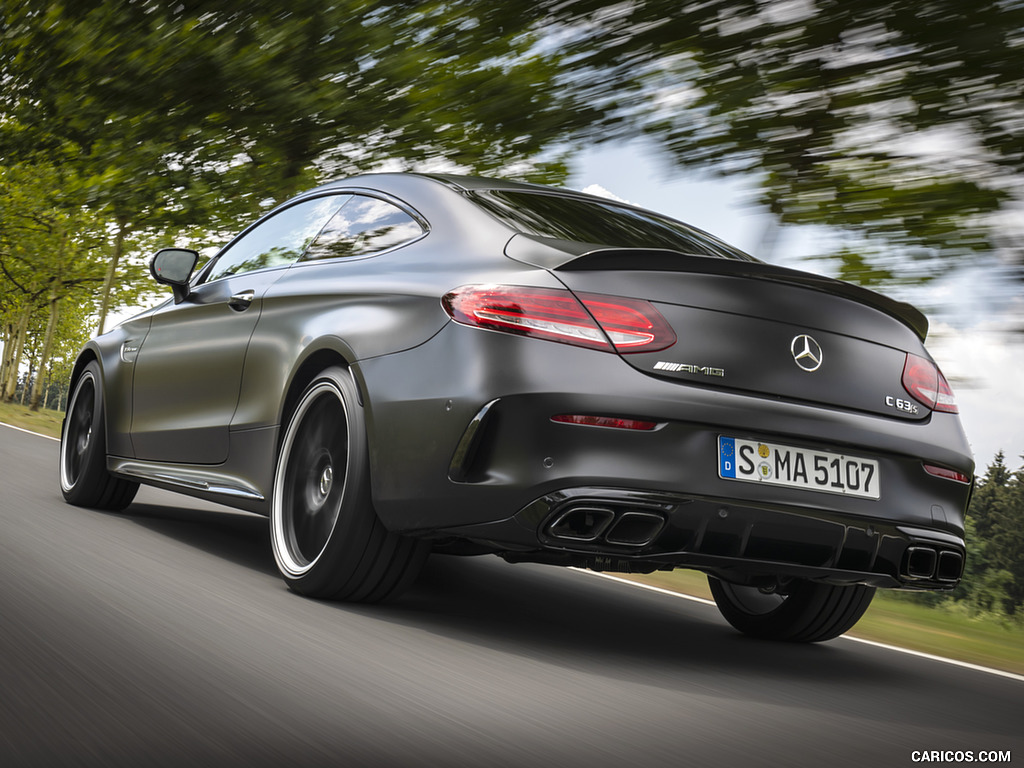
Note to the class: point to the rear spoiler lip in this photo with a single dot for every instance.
(565, 256)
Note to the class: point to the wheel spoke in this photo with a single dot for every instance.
(755, 601)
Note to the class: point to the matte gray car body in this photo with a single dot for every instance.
(461, 445)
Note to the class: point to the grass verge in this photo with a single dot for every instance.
(43, 421)
(894, 620)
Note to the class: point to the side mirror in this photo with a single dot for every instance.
(173, 267)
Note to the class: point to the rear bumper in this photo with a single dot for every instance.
(467, 449)
(610, 529)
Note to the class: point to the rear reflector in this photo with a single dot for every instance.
(591, 320)
(605, 421)
(948, 474)
(925, 382)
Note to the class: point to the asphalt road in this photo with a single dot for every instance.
(163, 636)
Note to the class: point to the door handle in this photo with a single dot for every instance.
(241, 300)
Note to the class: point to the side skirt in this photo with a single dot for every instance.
(244, 481)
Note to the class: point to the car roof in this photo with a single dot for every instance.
(452, 181)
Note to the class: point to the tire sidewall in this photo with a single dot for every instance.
(92, 468)
(330, 569)
(804, 616)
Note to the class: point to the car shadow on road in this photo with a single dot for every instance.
(612, 630)
(618, 630)
(239, 537)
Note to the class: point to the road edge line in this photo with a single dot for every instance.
(898, 649)
(28, 431)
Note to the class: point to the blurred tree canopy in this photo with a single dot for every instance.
(49, 261)
(900, 122)
(192, 114)
(273, 94)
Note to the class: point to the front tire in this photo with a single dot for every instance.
(808, 612)
(328, 541)
(84, 479)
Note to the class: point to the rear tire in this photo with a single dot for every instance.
(328, 541)
(809, 612)
(84, 479)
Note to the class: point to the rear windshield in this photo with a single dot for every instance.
(599, 222)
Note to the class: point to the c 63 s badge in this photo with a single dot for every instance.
(907, 406)
(701, 370)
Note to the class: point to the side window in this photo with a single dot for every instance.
(279, 240)
(363, 226)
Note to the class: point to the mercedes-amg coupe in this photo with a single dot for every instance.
(395, 364)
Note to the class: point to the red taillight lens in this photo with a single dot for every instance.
(948, 474)
(590, 321)
(633, 325)
(925, 382)
(605, 421)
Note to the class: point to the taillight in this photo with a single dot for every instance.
(925, 382)
(589, 320)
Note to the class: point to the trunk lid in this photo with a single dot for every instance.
(753, 327)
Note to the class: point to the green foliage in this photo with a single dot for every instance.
(993, 583)
(48, 258)
(47, 238)
(896, 121)
(256, 100)
(190, 117)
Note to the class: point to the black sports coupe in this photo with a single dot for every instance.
(394, 364)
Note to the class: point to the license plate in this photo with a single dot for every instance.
(774, 464)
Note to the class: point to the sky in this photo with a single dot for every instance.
(984, 364)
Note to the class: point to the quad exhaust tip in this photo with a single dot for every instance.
(591, 523)
(932, 564)
(635, 529)
(581, 523)
(951, 566)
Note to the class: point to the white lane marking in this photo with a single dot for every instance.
(919, 654)
(943, 659)
(29, 431)
(683, 595)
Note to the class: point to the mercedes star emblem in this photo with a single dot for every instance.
(806, 352)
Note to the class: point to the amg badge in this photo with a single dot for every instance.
(703, 370)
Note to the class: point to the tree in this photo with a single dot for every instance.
(180, 110)
(47, 253)
(994, 579)
(986, 495)
(898, 122)
(1008, 538)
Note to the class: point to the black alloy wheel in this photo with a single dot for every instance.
(805, 612)
(328, 541)
(84, 479)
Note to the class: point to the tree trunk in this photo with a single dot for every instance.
(44, 356)
(11, 385)
(5, 360)
(28, 381)
(108, 283)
